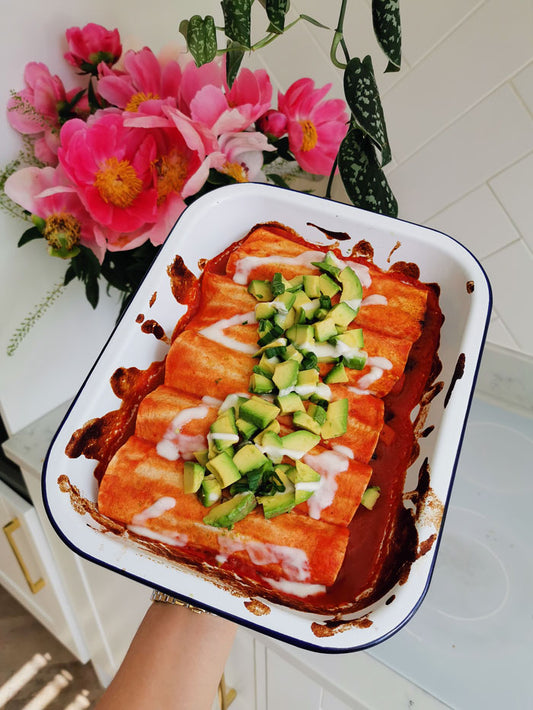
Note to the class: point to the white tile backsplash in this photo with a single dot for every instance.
(514, 188)
(490, 230)
(523, 83)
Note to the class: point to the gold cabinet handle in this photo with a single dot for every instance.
(225, 695)
(9, 529)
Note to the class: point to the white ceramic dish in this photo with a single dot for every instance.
(204, 230)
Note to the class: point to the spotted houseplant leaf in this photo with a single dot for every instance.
(201, 37)
(276, 11)
(362, 96)
(362, 176)
(387, 28)
(237, 21)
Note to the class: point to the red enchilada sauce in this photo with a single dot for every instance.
(383, 542)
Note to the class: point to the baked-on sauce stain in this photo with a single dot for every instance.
(394, 248)
(383, 542)
(153, 327)
(470, 287)
(457, 374)
(257, 608)
(334, 236)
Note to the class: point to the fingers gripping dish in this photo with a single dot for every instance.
(255, 455)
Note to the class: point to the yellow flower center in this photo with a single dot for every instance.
(137, 99)
(309, 137)
(117, 182)
(237, 171)
(62, 231)
(172, 174)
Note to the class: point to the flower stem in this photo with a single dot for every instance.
(27, 324)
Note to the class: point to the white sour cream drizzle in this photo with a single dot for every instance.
(216, 333)
(321, 389)
(327, 350)
(244, 266)
(362, 272)
(174, 539)
(375, 299)
(343, 451)
(297, 589)
(378, 365)
(211, 401)
(175, 444)
(232, 400)
(154, 511)
(328, 464)
(293, 562)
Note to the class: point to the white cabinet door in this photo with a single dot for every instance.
(28, 572)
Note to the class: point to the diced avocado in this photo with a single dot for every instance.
(355, 361)
(336, 374)
(271, 444)
(328, 287)
(259, 412)
(306, 382)
(285, 320)
(352, 338)
(342, 314)
(233, 400)
(264, 310)
(305, 421)
(260, 290)
(370, 496)
(306, 481)
(269, 332)
(273, 426)
(226, 514)
(285, 374)
(336, 422)
(278, 284)
(296, 283)
(298, 443)
(311, 285)
(260, 384)
(224, 470)
(201, 456)
(351, 286)
(317, 412)
(281, 501)
(284, 301)
(300, 334)
(223, 430)
(325, 329)
(210, 491)
(193, 475)
(289, 403)
(267, 364)
(291, 353)
(246, 429)
(248, 458)
(309, 310)
(278, 343)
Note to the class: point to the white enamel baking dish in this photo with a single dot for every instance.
(205, 228)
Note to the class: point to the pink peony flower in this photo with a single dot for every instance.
(48, 194)
(144, 78)
(205, 96)
(111, 165)
(244, 155)
(315, 127)
(36, 110)
(273, 123)
(92, 44)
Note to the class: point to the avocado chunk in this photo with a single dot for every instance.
(281, 501)
(370, 497)
(352, 289)
(260, 384)
(249, 458)
(285, 375)
(224, 470)
(260, 290)
(305, 421)
(325, 329)
(336, 422)
(300, 334)
(193, 475)
(292, 354)
(271, 445)
(226, 514)
(328, 287)
(201, 456)
(342, 314)
(246, 429)
(289, 403)
(209, 491)
(336, 374)
(311, 283)
(224, 431)
(259, 412)
(306, 481)
(317, 412)
(264, 309)
(298, 443)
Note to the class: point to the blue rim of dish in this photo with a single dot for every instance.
(238, 619)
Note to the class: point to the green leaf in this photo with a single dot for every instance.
(362, 96)
(362, 176)
(234, 57)
(276, 11)
(29, 235)
(388, 30)
(201, 36)
(237, 20)
(278, 180)
(92, 291)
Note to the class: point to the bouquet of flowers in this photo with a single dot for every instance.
(110, 164)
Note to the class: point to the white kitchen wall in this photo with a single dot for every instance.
(460, 121)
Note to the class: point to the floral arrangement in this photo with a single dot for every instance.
(109, 165)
